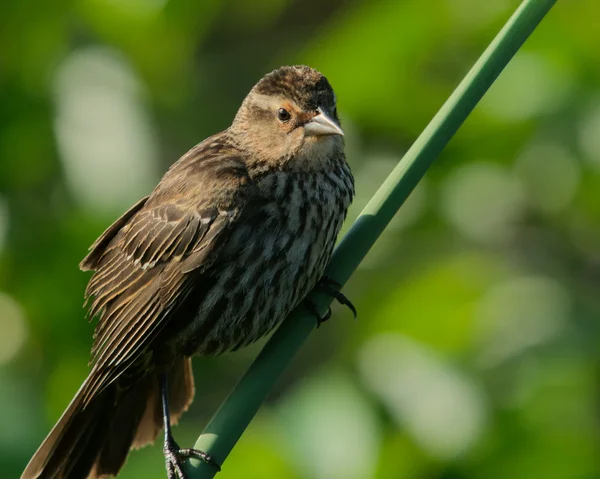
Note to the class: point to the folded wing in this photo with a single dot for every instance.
(149, 260)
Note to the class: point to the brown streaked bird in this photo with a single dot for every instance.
(234, 236)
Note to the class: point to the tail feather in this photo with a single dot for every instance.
(124, 424)
(93, 441)
(181, 395)
(181, 389)
(75, 457)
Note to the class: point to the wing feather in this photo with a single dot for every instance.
(97, 249)
(148, 262)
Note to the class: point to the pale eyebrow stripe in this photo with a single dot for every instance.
(266, 101)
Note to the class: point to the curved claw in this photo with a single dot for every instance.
(202, 456)
(315, 312)
(331, 287)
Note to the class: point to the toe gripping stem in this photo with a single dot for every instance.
(327, 285)
(331, 287)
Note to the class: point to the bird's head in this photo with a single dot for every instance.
(290, 119)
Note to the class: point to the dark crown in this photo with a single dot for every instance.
(307, 87)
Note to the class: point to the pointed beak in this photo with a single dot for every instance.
(322, 124)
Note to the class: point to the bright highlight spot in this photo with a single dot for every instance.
(331, 423)
(441, 408)
(529, 86)
(589, 139)
(106, 142)
(483, 201)
(518, 314)
(550, 175)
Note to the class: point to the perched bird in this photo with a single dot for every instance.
(234, 236)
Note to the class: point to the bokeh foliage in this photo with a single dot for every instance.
(475, 353)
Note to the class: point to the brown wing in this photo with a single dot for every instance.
(97, 249)
(146, 262)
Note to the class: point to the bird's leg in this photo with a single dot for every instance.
(312, 308)
(174, 455)
(331, 287)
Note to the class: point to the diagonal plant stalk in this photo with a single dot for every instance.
(234, 415)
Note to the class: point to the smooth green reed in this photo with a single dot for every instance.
(234, 415)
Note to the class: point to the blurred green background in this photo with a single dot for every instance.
(475, 354)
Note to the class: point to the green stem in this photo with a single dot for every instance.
(234, 415)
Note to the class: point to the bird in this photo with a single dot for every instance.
(235, 235)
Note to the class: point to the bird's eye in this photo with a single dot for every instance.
(283, 114)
